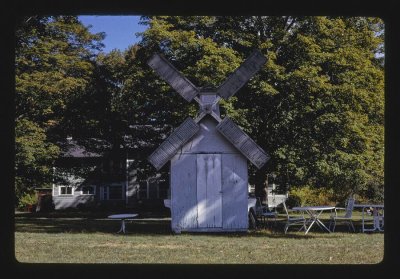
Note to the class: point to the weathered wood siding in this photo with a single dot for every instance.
(209, 188)
(183, 192)
(235, 192)
(208, 140)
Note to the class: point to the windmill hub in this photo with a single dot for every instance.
(208, 102)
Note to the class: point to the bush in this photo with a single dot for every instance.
(293, 200)
(26, 200)
(304, 196)
(372, 194)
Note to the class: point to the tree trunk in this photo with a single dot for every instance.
(260, 184)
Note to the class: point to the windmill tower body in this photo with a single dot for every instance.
(208, 155)
(209, 184)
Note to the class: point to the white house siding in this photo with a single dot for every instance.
(133, 188)
(56, 191)
(72, 201)
(132, 183)
(77, 199)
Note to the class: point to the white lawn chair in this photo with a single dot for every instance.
(294, 220)
(378, 217)
(343, 218)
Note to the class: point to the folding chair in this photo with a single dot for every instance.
(294, 220)
(343, 218)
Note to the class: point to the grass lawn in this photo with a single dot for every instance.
(149, 240)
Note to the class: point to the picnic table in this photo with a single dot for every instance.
(123, 218)
(314, 212)
(377, 213)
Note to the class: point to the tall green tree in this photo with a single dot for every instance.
(316, 106)
(54, 62)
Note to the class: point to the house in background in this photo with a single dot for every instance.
(93, 179)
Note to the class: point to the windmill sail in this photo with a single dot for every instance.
(241, 75)
(173, 143)
(173, 77)
(243, 142)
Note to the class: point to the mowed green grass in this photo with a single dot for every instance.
(74, 240)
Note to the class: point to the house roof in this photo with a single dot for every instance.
(71, 148)
(98, 148)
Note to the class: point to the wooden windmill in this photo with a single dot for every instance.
(208, 176)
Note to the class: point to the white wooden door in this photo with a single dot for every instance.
(209, 194)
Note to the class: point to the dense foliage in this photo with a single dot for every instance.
(316, 106)
(54, 61)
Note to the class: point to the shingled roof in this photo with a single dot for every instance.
(70, 148)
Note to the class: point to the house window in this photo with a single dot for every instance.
(104, 193)
(152, 189)
(88, 190)
(112, 192)
(65, 190)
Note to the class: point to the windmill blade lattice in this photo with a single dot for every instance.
(241, 75)
(173, 77)
(243, 142)
(173, 143)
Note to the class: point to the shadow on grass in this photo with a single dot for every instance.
(148, 224)
(62, 225)
(276, 230)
